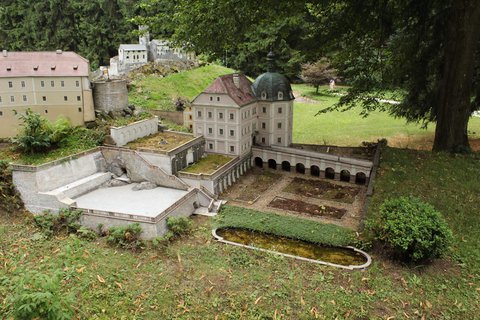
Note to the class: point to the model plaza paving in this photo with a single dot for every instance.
(124, 199)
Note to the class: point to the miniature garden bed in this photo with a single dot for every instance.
(161, 141)
(208, 164)
(322, 190)
(307, 208)
(264, 179)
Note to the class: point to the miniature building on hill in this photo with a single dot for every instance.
(233, 114)
(52, 84)
(131, 56)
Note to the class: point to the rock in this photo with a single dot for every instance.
(146, 185)
(117, 167)
(115, 183)
(109, 140)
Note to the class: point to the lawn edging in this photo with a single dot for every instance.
(291, 227)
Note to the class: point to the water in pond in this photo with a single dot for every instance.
(341, 256)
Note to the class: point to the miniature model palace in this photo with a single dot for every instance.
(255, 120)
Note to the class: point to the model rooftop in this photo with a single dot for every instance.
(43, 64)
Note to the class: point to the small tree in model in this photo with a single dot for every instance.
(318, 73)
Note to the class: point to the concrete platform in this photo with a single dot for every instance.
(148, 203)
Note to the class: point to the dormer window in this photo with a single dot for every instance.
(35, 68)
(9, 68)
(264, 95)
(280, 95)
(75, 67)
(53, 67)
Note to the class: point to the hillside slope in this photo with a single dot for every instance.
(155, 92)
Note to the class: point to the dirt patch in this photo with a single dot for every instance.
(162, 141)
(307, 208)
(322, 190)
(253, 185)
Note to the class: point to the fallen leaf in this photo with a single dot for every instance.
(258, 299)
(119, 285)
(100, 279)
(80, 270)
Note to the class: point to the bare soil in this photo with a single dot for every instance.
(322, 190)
(308, 208)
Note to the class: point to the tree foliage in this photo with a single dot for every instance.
(318, 73)
(93, 29)
(429, 49)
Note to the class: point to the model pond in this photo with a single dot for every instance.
(342, 257)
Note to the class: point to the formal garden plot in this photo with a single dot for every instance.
(322, 190)
(307, 208)
(255, 183)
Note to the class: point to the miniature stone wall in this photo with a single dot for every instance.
(36, 183)
(134, 131)
(139, 169)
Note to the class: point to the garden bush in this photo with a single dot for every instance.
(179, 225)
(38, 134)
(127, 237)
(38, 296)
(10, 200)
(67, 220)
(412, 230)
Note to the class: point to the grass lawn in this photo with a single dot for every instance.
(197, 278)
(163, 141)
(79, 140)
(350, 129)
(208, 164)
(153, 92)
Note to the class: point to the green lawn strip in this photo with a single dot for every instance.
(160, 93)
(296, 228)
(208, 164)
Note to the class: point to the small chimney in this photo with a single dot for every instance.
(5, 53)
(59, 51)
(236, 80)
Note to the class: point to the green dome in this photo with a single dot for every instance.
(272, 86)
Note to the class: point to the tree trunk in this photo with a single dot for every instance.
(454, 105)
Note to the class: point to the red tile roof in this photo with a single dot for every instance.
(43, 64)
(224, 84)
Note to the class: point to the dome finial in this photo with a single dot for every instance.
(271, 61)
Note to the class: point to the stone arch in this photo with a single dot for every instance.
(360, 178)
(315, 171)
(286, 166)
(345, 175)
(329, 173)
(300, 168)
(272, 164)
(258, 162)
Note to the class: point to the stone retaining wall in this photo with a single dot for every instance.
(134, 131)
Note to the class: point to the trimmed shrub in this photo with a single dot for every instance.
(10, 200)
(179, 225)
(412, 230)
(127, 237)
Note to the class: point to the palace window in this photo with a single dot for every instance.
(264, 125)
(280, 95)
(279, 140)
(232, 149)
(209, 114)
(24, 98)
(220, 131)
(232, 133)
(65, 98)
(10, 84)
(231, 116)
(279, 125)
(280, 110)
(220, 115)
(23, 84)
(79, 98)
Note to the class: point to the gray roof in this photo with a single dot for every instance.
(130, 47)
(271, 83)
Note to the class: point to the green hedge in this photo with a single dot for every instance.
(279, 225)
